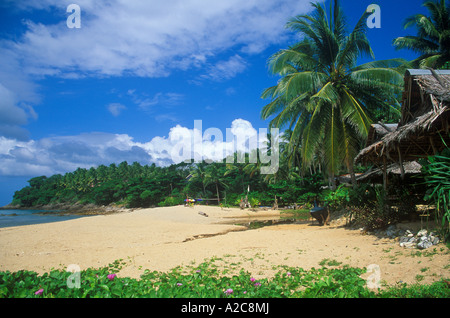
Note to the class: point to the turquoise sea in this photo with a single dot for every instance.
(10, 218)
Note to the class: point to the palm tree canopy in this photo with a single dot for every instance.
(432, 41)
(323, 96)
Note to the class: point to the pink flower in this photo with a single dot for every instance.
(111, 276)
(229, 291)
(179, 284)
(257, 284)
(39, 292)
(288, 273)
(252, 279)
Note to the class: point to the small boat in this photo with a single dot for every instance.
(320, 213)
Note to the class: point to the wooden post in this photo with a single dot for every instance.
(432, 145)
(402, 169)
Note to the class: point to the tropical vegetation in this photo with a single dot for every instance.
(207, 280)
(326, 102)
(436, 170)
(432, 41)
(139, 185)
(323, 96)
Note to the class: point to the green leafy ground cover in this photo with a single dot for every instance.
(208, 280)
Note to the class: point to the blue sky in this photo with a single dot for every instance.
(138, 72)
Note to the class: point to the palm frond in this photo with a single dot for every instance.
(299, 83)
(416, 44)
(328, 94)
(314, 131)
(334, 142)
(290, 61)
(390, 63)
(381, 77)
(432, 37)
(432, 61)
(354, 113)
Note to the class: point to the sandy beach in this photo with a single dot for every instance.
(163, 238)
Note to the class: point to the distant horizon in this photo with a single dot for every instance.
(116, 87)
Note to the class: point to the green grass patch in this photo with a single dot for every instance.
(301, 214)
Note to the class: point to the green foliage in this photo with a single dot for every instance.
(375, 214)
(145, 186)
(362, 195)
(338, 198)
(171, 201)
(437, 179)
(254, 202)
(438, 289)
(326, 99)
(296, 190)
(207, 281)
(432, 41)
(41, 191)
(136, 185)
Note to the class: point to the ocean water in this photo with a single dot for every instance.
(10, 218)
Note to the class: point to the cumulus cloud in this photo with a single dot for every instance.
(62, 154)
(149, 38)
(127, 38)
(12, 117)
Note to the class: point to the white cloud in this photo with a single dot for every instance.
(224, 70)
(12, 117)
(149, 38)
(116, 108)
(161, 99)
(125, 38)
(62, 154)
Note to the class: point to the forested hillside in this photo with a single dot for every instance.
(139, 185)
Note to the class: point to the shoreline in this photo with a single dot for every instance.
(72, 209)
(164, 238)
(92, 209)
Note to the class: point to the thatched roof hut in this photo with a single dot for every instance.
(423, 129)
(410, 168)
(378, 131)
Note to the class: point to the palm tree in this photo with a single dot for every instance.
(215, 176)
(432, 41)
(199, 174)
(236, 171)
(323, 96)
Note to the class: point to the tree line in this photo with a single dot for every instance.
(136, 185)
